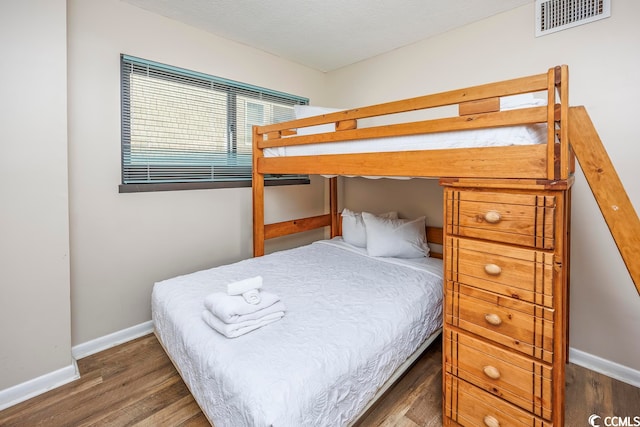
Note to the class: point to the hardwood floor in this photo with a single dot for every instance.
(131, 384)
(135, 384)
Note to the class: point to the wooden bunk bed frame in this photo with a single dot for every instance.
(509, 176)
(570, 130)
(478, 108)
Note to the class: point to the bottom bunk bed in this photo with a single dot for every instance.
(352, 323)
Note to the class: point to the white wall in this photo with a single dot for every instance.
(122, 243)
(35, 333)
(603, 66)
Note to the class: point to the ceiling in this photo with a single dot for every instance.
(327, 34)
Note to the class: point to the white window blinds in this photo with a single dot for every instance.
(180, 126)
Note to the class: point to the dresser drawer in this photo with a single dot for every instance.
(515, 218)
(469, 406)
(515, 378)
(520, 273)
(525, 327)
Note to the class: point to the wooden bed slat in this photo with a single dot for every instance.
(296, 226)
(523, 161)
(489, 105)
(535, 83)
(435, 235)
(346, 125)
(471, 122)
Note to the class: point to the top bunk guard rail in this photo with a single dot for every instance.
(478, 121)
(478, 108)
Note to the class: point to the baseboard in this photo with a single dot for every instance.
(604, 366)
(24, 391)
(103, 343)
(28, 389)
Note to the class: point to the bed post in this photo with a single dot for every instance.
(333, 207)
(258, 197)
(558, 162)
(565, 156)
(552, 76)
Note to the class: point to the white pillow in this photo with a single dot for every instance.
(353, 231)
(400, 238)
(304, 111)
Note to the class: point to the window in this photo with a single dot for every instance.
(184, 130)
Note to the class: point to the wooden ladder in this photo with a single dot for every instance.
(614, 203)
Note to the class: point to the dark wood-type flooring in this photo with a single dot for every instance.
(135, 384)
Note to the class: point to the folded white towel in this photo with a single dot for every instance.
(234, 309)
(242, 286)
(248, 288)
(252, 296)
(234, 330)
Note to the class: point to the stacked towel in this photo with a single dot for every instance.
(233, 314)
(248, 288)
(233, 330)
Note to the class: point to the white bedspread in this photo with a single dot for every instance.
(351, 320)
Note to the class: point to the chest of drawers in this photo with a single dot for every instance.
(506, 298)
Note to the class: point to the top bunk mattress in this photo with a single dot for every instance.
(351, 320)
(491, 137)
(494, 137)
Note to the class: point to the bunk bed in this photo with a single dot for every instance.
(478, 109)
(506, 228)
(505, 251)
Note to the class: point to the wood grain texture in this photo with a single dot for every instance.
(499, 372)
(520, 273)
(511, 297)
(489, 105)
(257, 191)
(614, 203)
(521, 219)
(135, 384)
(131, 384)
(519, 161)
(296, 226)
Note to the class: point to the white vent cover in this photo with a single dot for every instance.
(556, 15)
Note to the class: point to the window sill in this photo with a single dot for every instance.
(178, 186)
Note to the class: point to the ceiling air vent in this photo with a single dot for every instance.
(556, 15)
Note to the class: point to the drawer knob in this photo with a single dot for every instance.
(490, 421)
(493, 319)
(492, 372)
(492, 269)
(492, 217)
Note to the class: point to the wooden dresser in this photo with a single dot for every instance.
(506, 302)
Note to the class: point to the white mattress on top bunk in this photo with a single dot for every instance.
(491, 137)
(351, 320)
(494, 137)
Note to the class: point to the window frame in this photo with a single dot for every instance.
(233, 89)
